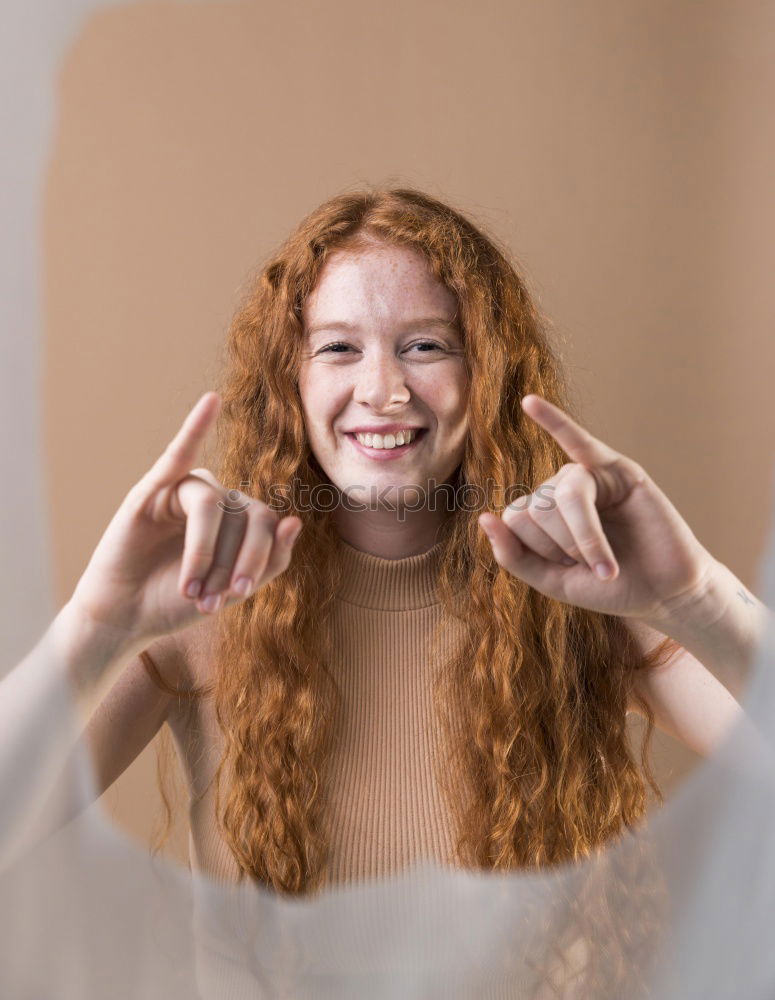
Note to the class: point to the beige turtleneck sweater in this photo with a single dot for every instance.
(386, 809)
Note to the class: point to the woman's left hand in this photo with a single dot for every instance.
(601, 507)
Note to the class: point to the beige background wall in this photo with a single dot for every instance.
(623, 149)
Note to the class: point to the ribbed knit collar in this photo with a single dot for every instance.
(389, 584)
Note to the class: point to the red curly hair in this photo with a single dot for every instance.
(549, 776)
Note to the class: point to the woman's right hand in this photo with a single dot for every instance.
(179, 525)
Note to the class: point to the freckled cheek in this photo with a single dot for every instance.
(318, 421)
(450, 410)
(330, 402)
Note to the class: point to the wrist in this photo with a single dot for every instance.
(699, 605)
(88, 648)
(719, 621)
(81, 631)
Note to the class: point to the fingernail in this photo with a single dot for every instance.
(210, 603)
(243, 585)
(567, 561)
(603, 570)
(192, 590)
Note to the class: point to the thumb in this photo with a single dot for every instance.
(182, 453)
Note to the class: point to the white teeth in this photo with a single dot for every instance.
(387, 441)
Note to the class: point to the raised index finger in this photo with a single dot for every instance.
(182, 453)
(575, 440)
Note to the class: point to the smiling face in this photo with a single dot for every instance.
(382, 349)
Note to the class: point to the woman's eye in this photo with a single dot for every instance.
(330, 347)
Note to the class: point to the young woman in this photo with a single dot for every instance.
(441, 663)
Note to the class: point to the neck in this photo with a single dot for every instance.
(381, 533)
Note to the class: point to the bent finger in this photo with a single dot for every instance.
(539, 573)
(227, 545)
(204, 516)
(280, 552)
(533, 535)
(577, 506)
(254, 552)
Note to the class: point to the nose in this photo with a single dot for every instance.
(380, 382)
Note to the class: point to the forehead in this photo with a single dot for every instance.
(394, 283)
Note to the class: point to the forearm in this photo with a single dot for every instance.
(722, 626)
(45, 703)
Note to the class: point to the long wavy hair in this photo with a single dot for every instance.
(542, 748)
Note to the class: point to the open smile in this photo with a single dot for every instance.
(385, 454)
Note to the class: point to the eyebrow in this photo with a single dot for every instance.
(414, 324)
